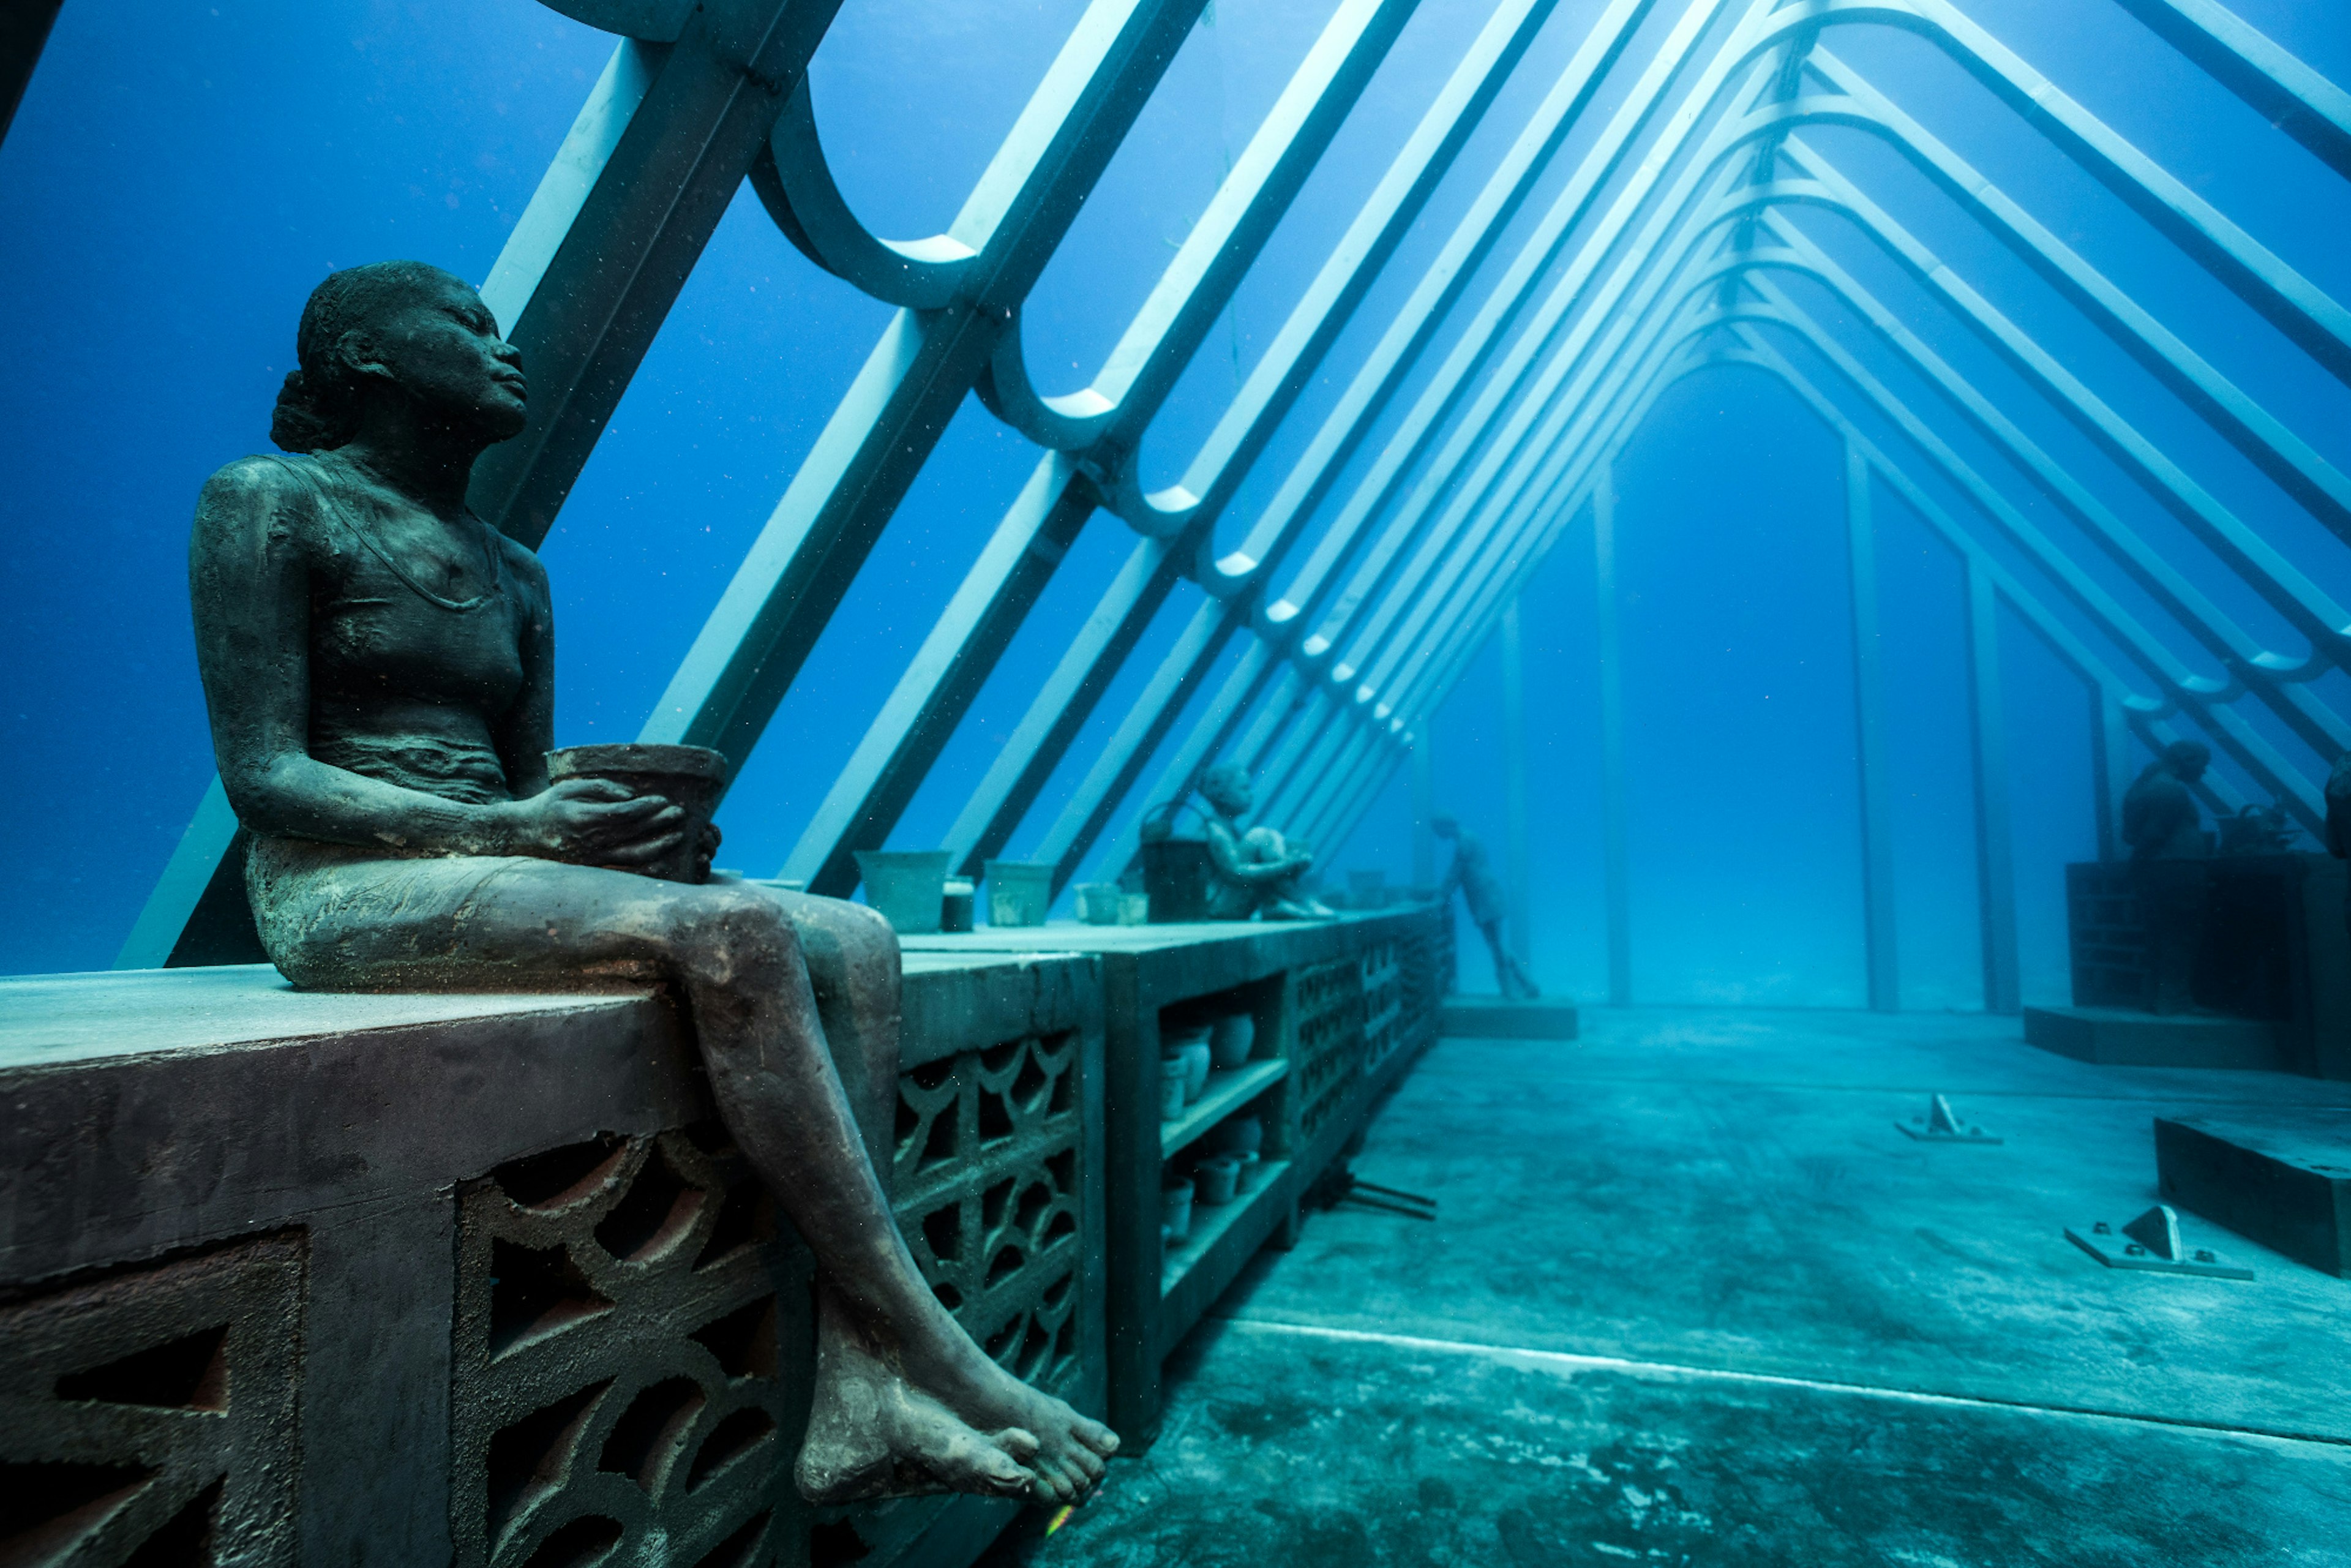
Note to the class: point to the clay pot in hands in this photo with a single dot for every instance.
(687, 776)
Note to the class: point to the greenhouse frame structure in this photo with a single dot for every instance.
(1359, 594)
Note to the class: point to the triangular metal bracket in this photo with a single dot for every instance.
(1941, 1124)
(2152, 1242)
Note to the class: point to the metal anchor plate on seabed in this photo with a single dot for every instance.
(1940, 1124)
(2152, 1241)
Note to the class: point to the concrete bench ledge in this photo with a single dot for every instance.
(489, 1285)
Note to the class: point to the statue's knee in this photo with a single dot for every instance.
(868, 941)
(733, 935)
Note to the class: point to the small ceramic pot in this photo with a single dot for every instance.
(1195, 1058)
(1176, 1212)
(1135, 909)
(956, 904)
(1240, 1135)
(1213, 1182)
(1174, 1086)
(1098, 903)
(1230, 1038)
(1252, 1171)
(1191, 1043)
(1019, 893)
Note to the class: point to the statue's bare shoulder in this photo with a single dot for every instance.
(528, 568)
(256, 487)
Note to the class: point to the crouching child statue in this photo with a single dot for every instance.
(378, 668)
(1255, 871)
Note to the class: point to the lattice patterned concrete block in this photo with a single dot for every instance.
(629, 1371)
(988, 1191)
(152, 1418)
(1328, 1042)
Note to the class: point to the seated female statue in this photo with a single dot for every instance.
(378, 668)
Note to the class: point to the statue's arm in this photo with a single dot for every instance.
(1233, 865)
(527, 732)
(249, 565)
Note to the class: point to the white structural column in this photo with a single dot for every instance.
(1995, 866)
(1869, 742)
(1615, 806)
(1516, 925)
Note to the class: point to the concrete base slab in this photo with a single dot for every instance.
(1750, 1323)
(2284, 1184)
(1317, 1449)
(2112, 1038)
(1505, 1018)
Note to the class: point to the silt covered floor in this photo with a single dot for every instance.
(1691, 1298)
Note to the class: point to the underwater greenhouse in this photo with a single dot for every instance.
(1200, 782)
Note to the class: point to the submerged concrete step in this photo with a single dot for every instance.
(2286, 1185)
(2112, 1038)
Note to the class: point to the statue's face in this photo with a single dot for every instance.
(1230, 797)
(443, 350)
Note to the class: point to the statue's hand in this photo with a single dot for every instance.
(594, 821)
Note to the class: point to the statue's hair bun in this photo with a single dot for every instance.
(318, 406)
(297, 424)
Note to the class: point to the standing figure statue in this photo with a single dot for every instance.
(1473, 875)
(2170, 869)
(378, 668)
(1257, 871)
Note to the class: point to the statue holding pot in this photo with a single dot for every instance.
(379, 668)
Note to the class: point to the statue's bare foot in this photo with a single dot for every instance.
(1071, 1450)
(872, 1434)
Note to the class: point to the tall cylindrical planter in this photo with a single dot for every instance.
(908, 886)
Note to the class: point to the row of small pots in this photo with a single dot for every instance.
(914, 893)
(1189, 1053)
(1214, 1181)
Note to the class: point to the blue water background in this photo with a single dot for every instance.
(179, 176)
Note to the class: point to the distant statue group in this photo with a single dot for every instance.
(378, 668)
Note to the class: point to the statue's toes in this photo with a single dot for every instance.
(987, 1466)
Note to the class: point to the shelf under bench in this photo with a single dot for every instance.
(1211, 1225)
(1227, 1092)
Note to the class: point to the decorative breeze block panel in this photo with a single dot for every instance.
(988, 1188)
(628, 1373)
(150, 1417)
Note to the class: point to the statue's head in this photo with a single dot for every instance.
(1227, 788)
(397, 329)
(1445, 827)
(2187, 760)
